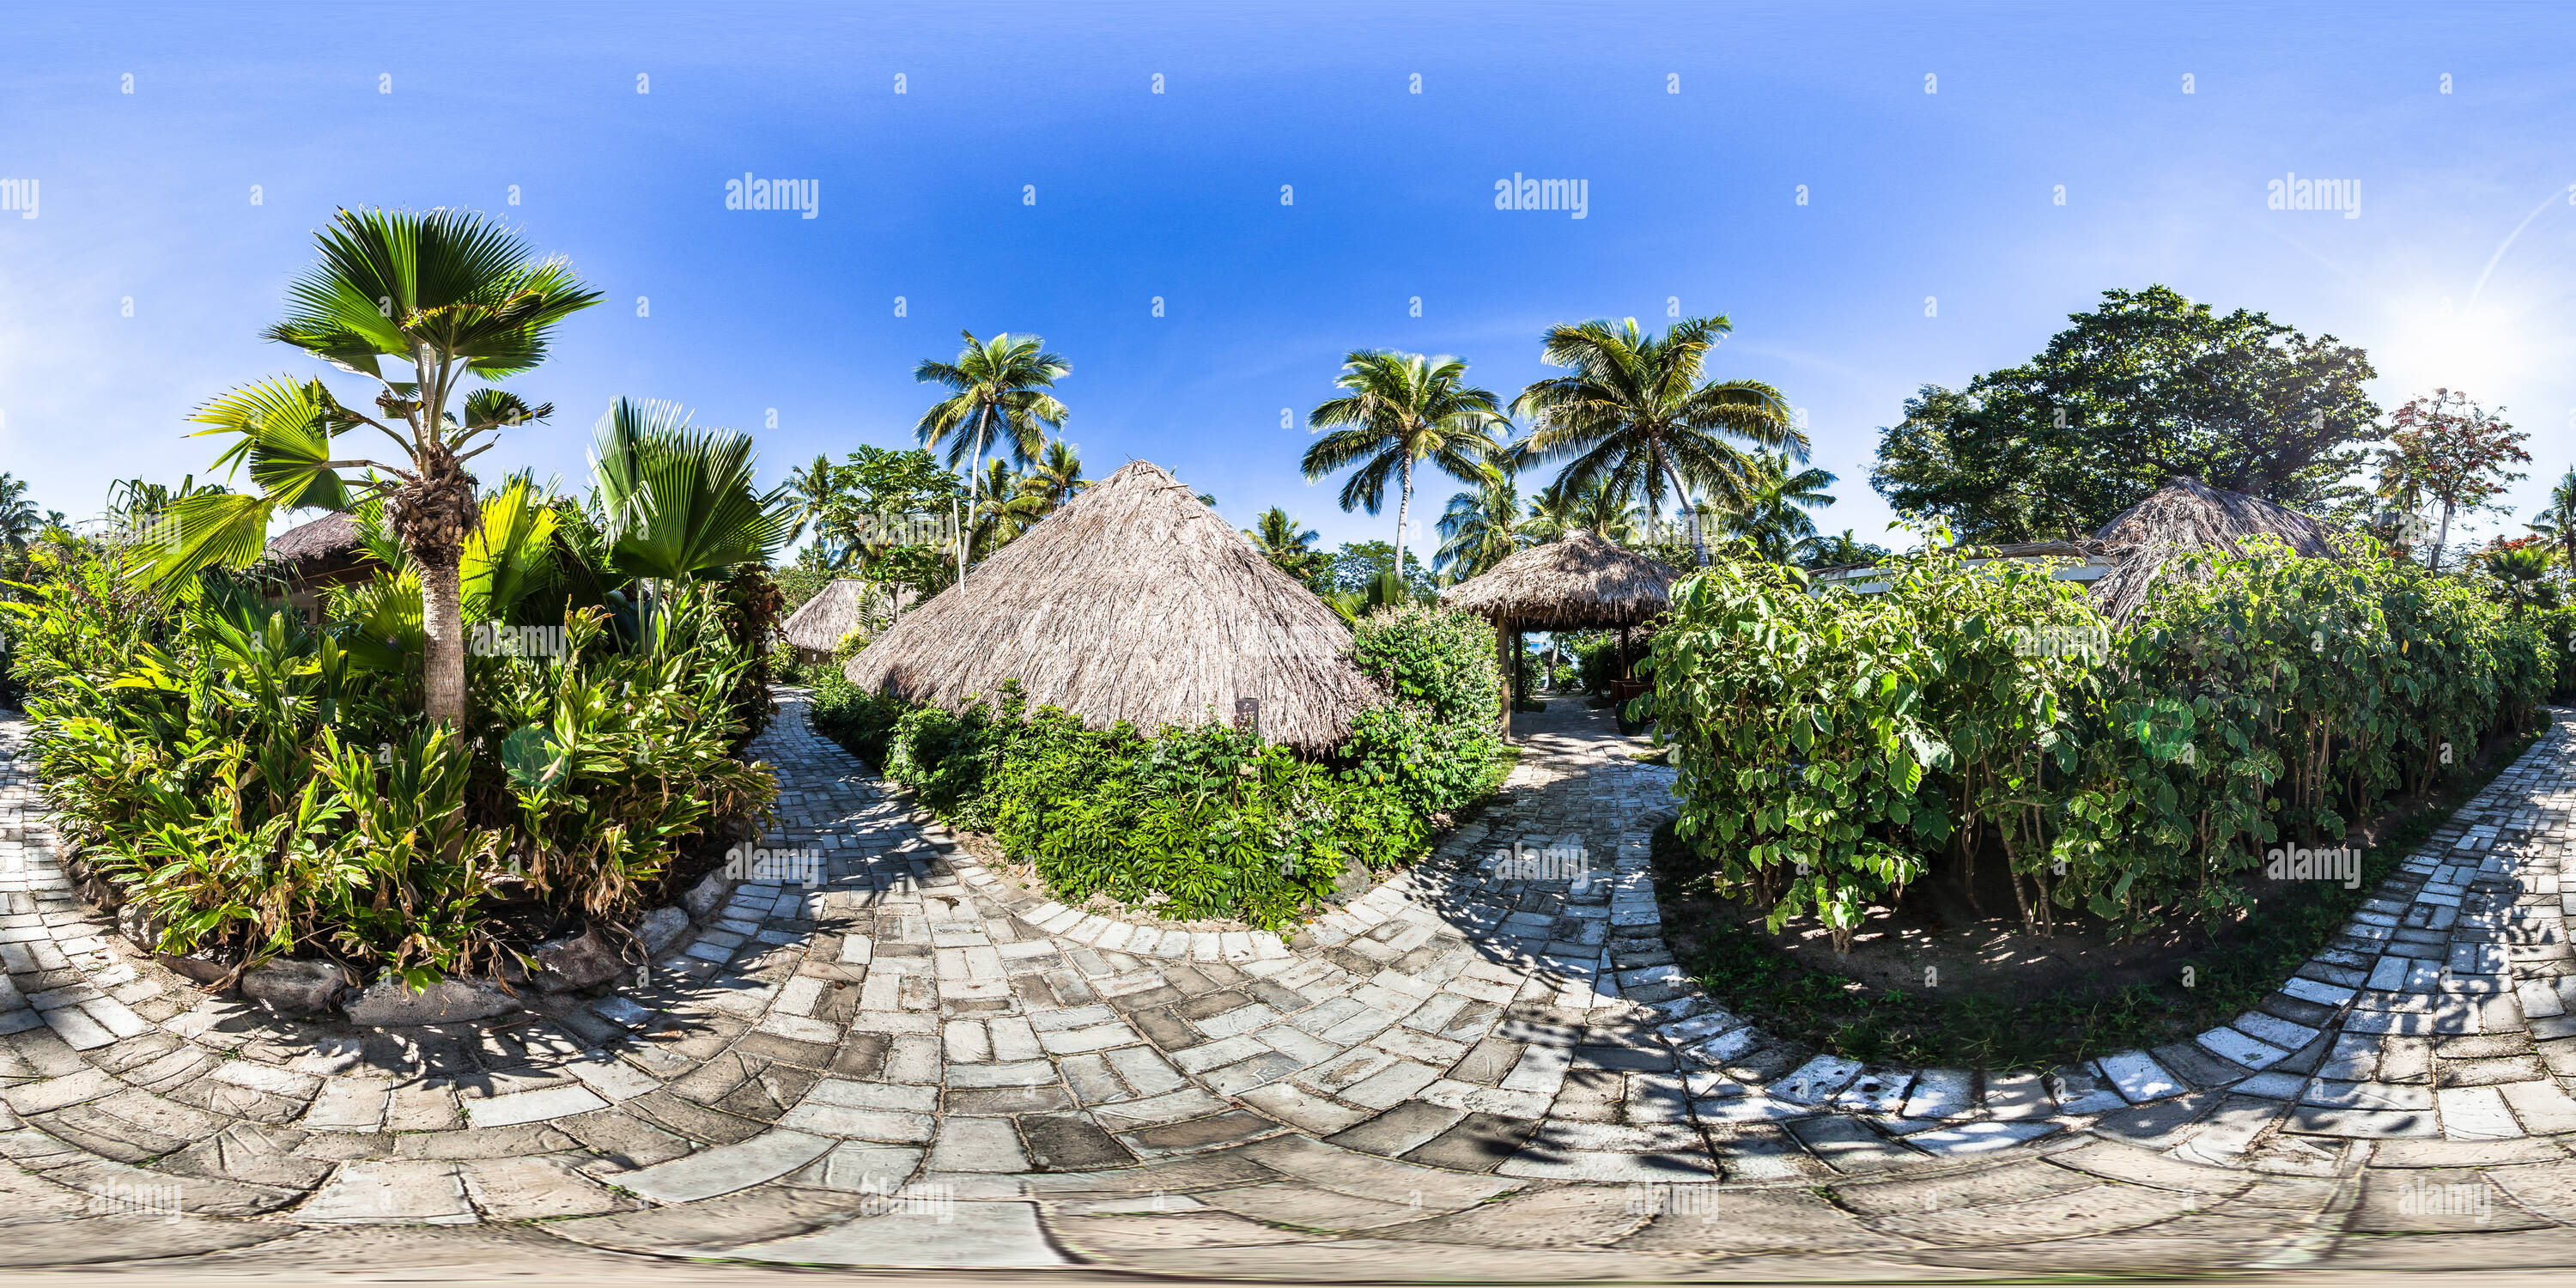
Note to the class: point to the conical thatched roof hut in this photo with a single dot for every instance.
(2187, 515)
(1133, 602)
(330, 540)
(1584, 582)
(818, 624)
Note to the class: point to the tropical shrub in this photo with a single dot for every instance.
(264, 787)
(1835, 749)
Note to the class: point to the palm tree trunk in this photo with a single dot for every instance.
(1699, 544)
(442, 616)
(1403, 511)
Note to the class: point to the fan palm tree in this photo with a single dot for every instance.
(1056, 477)
(1772, 515)
(1001, 400)
(456, 297)
(1599, 507)
(1635, 407)
(1287, 545)
(1481, 528)
(2558, 522)
(1403, 408)
(675, 502)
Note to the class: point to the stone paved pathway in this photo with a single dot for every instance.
(1485, 1068)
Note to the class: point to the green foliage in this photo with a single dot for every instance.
(264, 787)
(1433, 658)
(1835, 749)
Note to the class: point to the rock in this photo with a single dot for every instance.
(203, 970)
(1354, 881)
(388, 1004)
(140, 926)
(661, 928)
(292, 988)
(707, 895)
(577, 961)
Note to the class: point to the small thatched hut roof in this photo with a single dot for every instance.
(1133, 602)
(834, 611)
(333, 538)
(2187, 515)
(1584, 582)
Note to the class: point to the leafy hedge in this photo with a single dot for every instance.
(262, 787)
(1205, 820)
(1835, 749)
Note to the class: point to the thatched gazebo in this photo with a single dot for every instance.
(1584, 582)
(2185, 516)
(818, 625)
(1133, 602)
(318, 555)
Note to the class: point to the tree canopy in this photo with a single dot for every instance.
(2147, 387)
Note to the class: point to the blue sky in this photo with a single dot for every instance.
(146, 202)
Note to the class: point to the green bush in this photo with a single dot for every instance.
(262, 787)
(1436, 659)
(1835, 749)
(1596, 660)
(852, 716)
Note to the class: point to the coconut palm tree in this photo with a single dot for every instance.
(1056, 477)
(676, 503)
(1001, 400)
(1772, 515)
(1288, 545)
(1402, 409)
(1635, 406)
(1599, 507)
(454, 296)
(816, 492)
(1481, 528)
(1003, 507)
(2558, 522)
(20, 521)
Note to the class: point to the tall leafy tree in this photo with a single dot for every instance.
(1403, 409)
(453, 297)
(2445, 448)
(2145, 388)
(1480, 528)
(1635, 408)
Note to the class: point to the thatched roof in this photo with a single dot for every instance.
(2187, 515)
(1133, 602)
(1583, 582)
(331, 538)
(833, 612)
